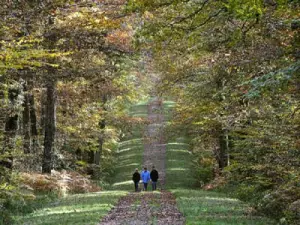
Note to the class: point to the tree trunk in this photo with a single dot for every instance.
(91, 155)
(102, 125)
(43, 111)
(49, 127)
(33, 123)
(10, 131)
(98, 153)
(223, 158)
(3, 112)
(26, 123)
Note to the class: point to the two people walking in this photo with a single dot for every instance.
(145, 176)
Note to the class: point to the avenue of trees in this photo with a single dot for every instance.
(69, 70)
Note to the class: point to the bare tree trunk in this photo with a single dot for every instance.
(49, 127)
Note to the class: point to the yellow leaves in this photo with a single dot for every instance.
(24, 53)
(75, 15)
(87, 18)
(148, 15)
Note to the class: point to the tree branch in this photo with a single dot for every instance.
(182, 19)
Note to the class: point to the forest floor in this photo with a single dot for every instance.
(176, 202)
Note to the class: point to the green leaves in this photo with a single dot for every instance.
(245, 9)
(272, 81)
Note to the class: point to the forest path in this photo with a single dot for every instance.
(149, 208)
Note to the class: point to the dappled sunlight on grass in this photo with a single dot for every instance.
(74, 209)
(126, 150)
(70, 209)
(130, 154)
(177, 144)
(131, 165)
(131, 142)
(179, 151)
(178, 169)
(124, 182)
(203, 207)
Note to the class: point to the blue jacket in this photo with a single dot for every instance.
(145, 176)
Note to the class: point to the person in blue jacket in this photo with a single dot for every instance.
(145, 175)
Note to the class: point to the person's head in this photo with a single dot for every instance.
(136, 170)
(145, 168)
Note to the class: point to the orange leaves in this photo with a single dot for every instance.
(58, 181)
(121, 39)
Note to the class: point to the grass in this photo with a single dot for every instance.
(74, 209)
(130, 154)
(179, 166)
(212, 208)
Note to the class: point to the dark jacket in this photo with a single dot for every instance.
(136, 177)
(154, 175)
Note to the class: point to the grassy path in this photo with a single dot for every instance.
(197, 206)
(149, 207)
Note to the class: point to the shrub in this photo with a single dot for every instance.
(59, 182)
(204, 168)
(13, 199)
(283, 203)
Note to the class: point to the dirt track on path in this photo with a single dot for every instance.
(154, 141)
(146, 208)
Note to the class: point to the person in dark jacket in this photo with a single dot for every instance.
(136, 177)
(154, 178)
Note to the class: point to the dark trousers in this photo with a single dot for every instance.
(136, 186)
(145, 186)
(154, 185)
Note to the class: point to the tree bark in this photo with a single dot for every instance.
(10, 131)
(91, 155)
(50, 128)
(223, 159)
(43, 111)
(26, 123)
(33, 123)
(102, 125)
